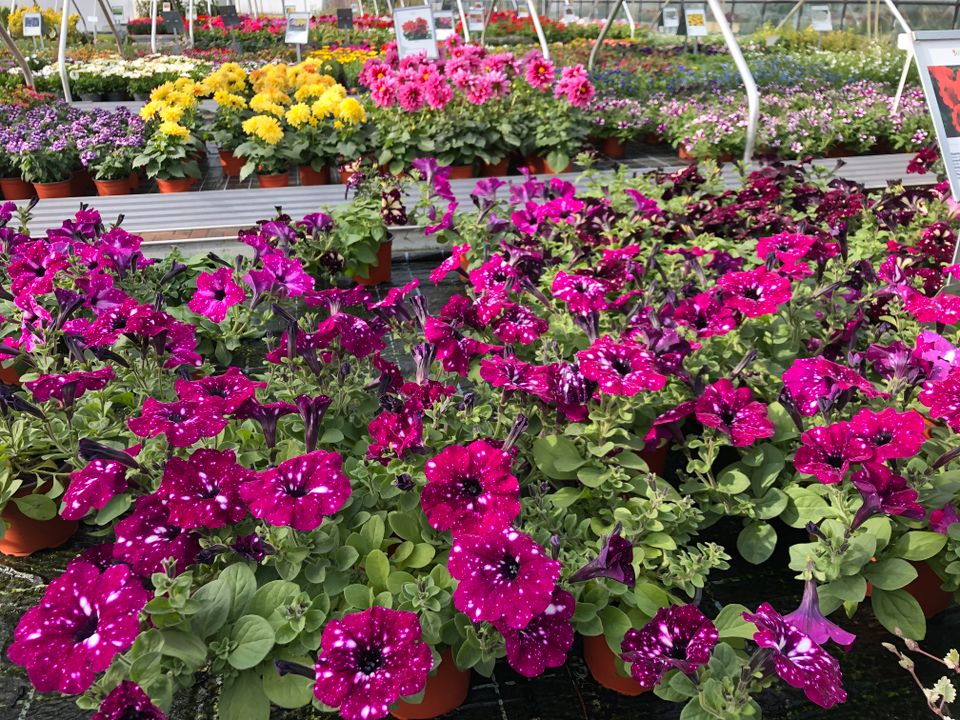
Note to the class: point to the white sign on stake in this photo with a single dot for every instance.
(298, 28)
(938, 62)
(444, 24)
(416, 32)
(475, 20)
(671, 18)
(32, 25)
(695, 17)
(820, 18)
(569, 16)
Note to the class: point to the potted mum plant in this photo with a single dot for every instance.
(169, 156)
(265, 151)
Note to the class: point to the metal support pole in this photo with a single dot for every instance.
(108, 14)
(614, 9)
(903, 80)
(900, 19)
(753, 95)
(535, 17)
(17, 55)
(658, 14)
(463, 20)
(633, 26)
(153, 26)
(360, 6)
(486, 22)
(191, 14)
(793, 11)
(376, 8)
(62, 53)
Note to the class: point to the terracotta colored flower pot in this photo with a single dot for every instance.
(725, 157)
(309, 176)
(9, 375)
(614, 147)
(134, 181)
(16, 189)
(601, 661)
(685, 156)
(548, 168)
(461, 172)
(446, 691)
(535, 163)
(24, 535)
(496, 170)
(49, 191)
(231, 164)
(652, 139)
(926, 590)
(175, 185)
(381, 272)
(82, 183)
(274, 181)
(113, 187)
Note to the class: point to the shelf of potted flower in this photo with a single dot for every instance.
(50, 167)
(172, 149)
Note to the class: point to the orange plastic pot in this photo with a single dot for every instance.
(685, 156)
(231, 164)
(613, 147)
(25, 536)
(113, 187)
(495, 170)
(16, 189)
(382, 271)
(446, 690)
(274, 181)
(49, 191)
(9, 375)
(175, 185)
(926, 590)
(309, 176)
(461, 172)
(83, 183)
(134, 181)
(535, 164)
(603, 667)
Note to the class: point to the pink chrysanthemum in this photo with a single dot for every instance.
(216, 293)
(679, 637)
(734, 412)
(546, 639)
(620, 368)
(827, 452)
(755, 292)
(204, 491)
(183, 423)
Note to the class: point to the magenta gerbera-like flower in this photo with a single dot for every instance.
(884, 493)
(808, 619)
(798, 660)
(828, 451)
(470, 489)
(230, 389)
(620, 368)
(733, 411)
(204, 491)
(300, 491)
(147, 537)
(183, 423)
(83, 620)
(368, 660)
(679, 637)
(755, 292)
(546, 639)
(943, 399)
(127, 701)
(216, 293)
(68, 387)
(811, 381)
(504, 575)
(891, 434)
(94, 486)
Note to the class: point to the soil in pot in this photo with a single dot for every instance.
(309, 176)
(16, 189)
(175, 185)
(113, 187)
(25, 536)
(381, 272)
(231, 164)
(274, 181)
(48, 191)
(601, 661)
(446, 690)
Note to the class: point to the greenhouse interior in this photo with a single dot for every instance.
(531, 359)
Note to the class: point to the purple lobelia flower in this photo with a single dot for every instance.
(230, 389)
(827, 452)
(943, 399)
(504, 576)
(942, 518)
(83, 620)
(678, 637)
(299, 492)
(94, 486)
(734, 412)
(470, 489)
(147, 537)
(204, 491)
(183, 423)
(811, 381)
(615, 561)
(884, 493)
(755, 292)
(546, 639)
(127, 701)
(368, 660)
(890, 434)
(808, 619)
(266, 415)
(797, 658)
(620, 368)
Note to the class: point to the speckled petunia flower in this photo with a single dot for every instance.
(891, 434)
(504, 576)
(470, 489)
(216, 293)
(884, 493)
(808, 619)
(94, 486)
(546, 639)
(811, 381)
(368, 660)
(942, 518)
(943, 399)
(755, 292)
(620, 368)
(734, 412)
(84, 619)
(147, 537)
(452, 263)
(706, 314)
(299, 492)
(183, 423)
(679, 636)
(615, 561)
(68, 387)
(798, 660)
(582, 294)
(395, 434)
(230, 389)
(127, 701)
(827, 452)
(204, 491)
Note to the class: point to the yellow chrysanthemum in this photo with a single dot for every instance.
(150, 110)
(229, 100)
(298, 115)
(171, 113)
(261, 103)
(351, 111)
(323, 108)
(335, 93)
(173, 129)
(307, 92)
(265, 127)
(161, 92)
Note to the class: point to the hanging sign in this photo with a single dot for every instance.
(298, 28)
(820, 18)
(229, 15)
(671, 19)
(569, 16)
(415, 31)
(119, 14)
(345, 18)
(938, 62)
(32, 25)
(695, 20)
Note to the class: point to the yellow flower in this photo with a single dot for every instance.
(298, 115)
(264, 127)
(171, 113)
(173, 129)
(323, 108)
(351, 111)
(161, 92)
(313, 90)
(229, 100)
(262, 103)
(149, 111)
(335, 93)
(337, 125)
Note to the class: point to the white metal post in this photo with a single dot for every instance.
(535, 17)
(753, 95)
(463, 21)
(62, 52)
(191, 13)
(633, 27)
(614, 9)
(903, 80)
(153, 26)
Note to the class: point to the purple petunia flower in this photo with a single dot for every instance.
(299, 492)
(183, 423)
(230, 389)
(679, 637)
(811, 381)
(204, 491)
(470, 489)
(800, 661)
(280, 275)
(943, 399)
(368, 660)
(942, 518)
(828, 451)
(884, 493)
(615, 561)
(808, 619)
(83, 620)
(620, 368)
(147, 537)
(755, 292)
(127, 701)
(94, 486)
(504, 575)
(216, 293)
(546, 639)
(68, 387)
(734, 412)
(266, 415)
(891, 434)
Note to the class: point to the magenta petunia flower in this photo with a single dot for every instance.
(230, 389)
(705, 314)
(68, 387)
(884, 493)
(942, 518)
(299, 492)
(811, 381)
(734, 412)
(519, 324)
(454, 350)
(546, 639)
(620, 368)
(808, 619)
(183, 423)
(787, 247)
(679, 636)
(266, 415)
(94, 486)
(395, 434)
(281, 275)
(127, 701)
(504, 575)
(890, 434)
(216, 293)
(368, 660)
(470, 489)
(84, 619)
(755, 292)
(204, 491)
(615, 561)
(357, 336)
(798, 660)
(943, 399)
(451, 264)
(147, 537)
(582, 293)
(827, 452)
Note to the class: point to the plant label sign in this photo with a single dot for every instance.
(416, 32)
(444, 24)
(476, 17)
(298, 28)
(166, 7)
(671, 19)
(173, 21)
(938, 63)
(695, 20)
(569, 16)
(32, 25)
(820, 18)
(230, 17)
(119, 14)
(345, 18)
